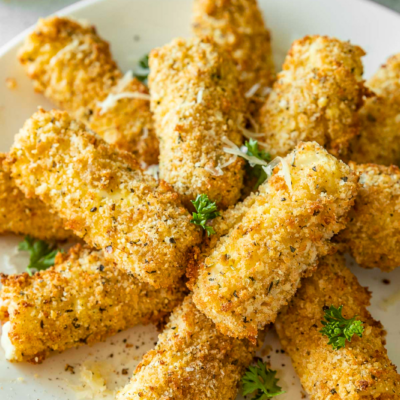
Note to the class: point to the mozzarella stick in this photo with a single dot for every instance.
(83, 299)
(191, 361)
(198, 111)
(373, 234)
(379, 140)
(256, 268)
(73, 67)
(104, 197)
(237, 26)
(24, 216)
(360, 370)
(316, 97)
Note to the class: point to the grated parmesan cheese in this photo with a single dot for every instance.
(154, 171)
(250, 135)
(112, 99)
(252, 91)
(286, 174)
(235, 150)
(200, 96)
(125, 81)
(74, 45)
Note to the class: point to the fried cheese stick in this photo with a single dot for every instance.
(73, 67)
(315, 98)
(256, 268)
(361, 370)
(379, 140)
(83, 299)
(104, 197)
(197, 110)
(24, 216)
(237, 26)
(191, 361)
(373, 233)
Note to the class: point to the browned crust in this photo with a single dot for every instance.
(361, 370)
(73, 67)
(83, 299)
(373, 234)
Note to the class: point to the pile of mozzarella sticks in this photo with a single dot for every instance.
(265, 180)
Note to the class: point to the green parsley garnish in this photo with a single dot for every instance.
(339, 329)
(206, 210)
(262, 381)
(42, 255)
(142, 72)
(257, 170)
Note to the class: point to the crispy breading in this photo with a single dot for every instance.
(379, 140)
(104, 196)
(191, 361)
(73, 67)
(316, 97)
(256, 268)
(373, 233)
(24, 216)
(83, 299)
(238, 27)
(196, 104)
(361, 370)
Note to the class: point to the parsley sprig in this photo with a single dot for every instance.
(206, 210)
(339, 329)
(257, 170)
(42, 255)
(142, 72)
(262, 381)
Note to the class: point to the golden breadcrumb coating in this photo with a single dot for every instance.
(191, 361)
(379, 140)
(73, 67)
(196, 103)
(361, 370)
(238, 27)
(104, 196)
(24, 216)
(373, 233)
(256, 268)
(316, 97)
(83, 299)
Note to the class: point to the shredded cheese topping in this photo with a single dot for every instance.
(235, 150)
(154, 171)
(252, 91)
(112, 99)
(125, 81)
(74, 45)
(200, 96)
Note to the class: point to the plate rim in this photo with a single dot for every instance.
(381, 8)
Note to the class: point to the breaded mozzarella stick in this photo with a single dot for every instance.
(83, 299)
(24, 216)
(361, 370)
(198, 111)
(379, 140)
(73, 67)
(104, 197)
(373, 233)
(191, 361)
(237, 26)
(254, 270)
(316, 97)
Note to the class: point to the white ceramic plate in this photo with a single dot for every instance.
(134, 27)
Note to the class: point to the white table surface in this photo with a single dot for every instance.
(17, 15)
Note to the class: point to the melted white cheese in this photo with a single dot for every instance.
(6, 344)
